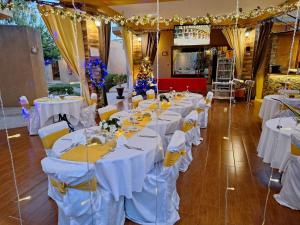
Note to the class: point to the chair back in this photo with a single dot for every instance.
(136, 100)
(25, 107)
(107, 111)
(189, 126)
(175, 149)
(150, 94)
(295, 143)
(209, 97)
(50, 134)
(72, 185)
(93, 98)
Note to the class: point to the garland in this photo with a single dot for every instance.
(150, 20)
(90, 66)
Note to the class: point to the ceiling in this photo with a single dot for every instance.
(185, 8)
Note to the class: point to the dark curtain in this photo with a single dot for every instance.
(261, 45)
(151, 46)
(104, 46)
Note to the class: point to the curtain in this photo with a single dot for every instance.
(104, 41)
(236, 40)
(260, 46)
(127, 41)
(68, 38)
(151, 47)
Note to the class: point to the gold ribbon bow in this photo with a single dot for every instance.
(61, 187)
(188, 125)
(172, 157)
(151, 96)
(199, 110)
(135, 104)
(49, 140)
(208, 101)
(165, 105)
(295, 150)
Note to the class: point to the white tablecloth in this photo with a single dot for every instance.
(274, 145)
(183, 107)
(47, 108)
(271, 107)
(122, 171)
(166, 123)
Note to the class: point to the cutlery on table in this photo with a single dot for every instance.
(133, 147)
(147, 136)
(72, 146)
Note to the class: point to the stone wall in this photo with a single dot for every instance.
(21, 64)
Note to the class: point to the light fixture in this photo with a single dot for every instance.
(98, 23)
(247, 33)
(139, 39)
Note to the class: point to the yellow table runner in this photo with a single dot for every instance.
(89, 153)
(143, 122)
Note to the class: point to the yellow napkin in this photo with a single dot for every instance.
(91, 153)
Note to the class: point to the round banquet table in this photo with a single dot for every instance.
(183, 107)
(164, 124)
(271, 107)
(122, 171)
(274, 146)
(194, 98)
(47, 108)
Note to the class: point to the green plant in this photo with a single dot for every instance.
(60, 89)
(110, 80)
(120, 79)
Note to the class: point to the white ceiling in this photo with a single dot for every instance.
(192, 7)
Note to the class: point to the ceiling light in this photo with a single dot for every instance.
(98, 23)
(247, 34)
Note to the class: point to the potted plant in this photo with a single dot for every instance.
(119, 79)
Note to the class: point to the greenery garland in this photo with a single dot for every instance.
(150, 20)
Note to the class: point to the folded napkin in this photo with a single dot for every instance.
(88, 153)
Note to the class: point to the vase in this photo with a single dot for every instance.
(120, 91)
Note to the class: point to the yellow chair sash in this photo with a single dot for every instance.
(106, 115)
(93, 101)
(172, 157)
(135, 104)
(90, 153)
(295, 150)
(151, 96)
(188, 125)
(208, 101)
(165, 105)
(199, 110)
(90, 186)
(50, 139)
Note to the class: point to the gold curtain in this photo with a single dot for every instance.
(68, 38)
(236, 40)
(127, 40)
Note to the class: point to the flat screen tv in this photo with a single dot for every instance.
(187, 35)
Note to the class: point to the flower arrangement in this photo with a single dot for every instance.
(97, 71)
(111, 125)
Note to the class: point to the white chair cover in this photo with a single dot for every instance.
(136, 100)
(192, 136)
(75, 206)
(30, 115)
(81, 207)
(107, 111)
(158, 202)
(49, 130)
(289, 195)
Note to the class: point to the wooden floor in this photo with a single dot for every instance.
(219, 165)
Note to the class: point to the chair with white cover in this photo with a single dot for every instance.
(107, 111)
(136, 100)
(202, 108)
(192, 136)
(289, 194)
(150, 94)
(30, 115)
(73, 187)
(88, 114)
(51, 133)
(158, 202)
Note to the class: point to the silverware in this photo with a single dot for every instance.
(147, 136)
(66, 139)
(164, 119)
(133, 147)
(72, 146)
